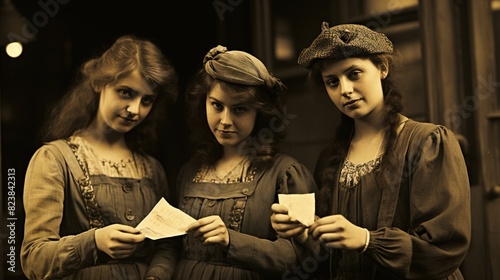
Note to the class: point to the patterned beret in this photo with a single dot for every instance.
(344, 41)
(241, 68)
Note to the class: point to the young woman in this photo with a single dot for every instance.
(237, 172)
(93, 181)
(394, 194)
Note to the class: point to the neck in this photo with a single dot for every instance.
(368, 129)
(370, 125)
(232, 153)
(104, 137)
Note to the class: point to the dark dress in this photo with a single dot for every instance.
(254, 251)
(418, 213)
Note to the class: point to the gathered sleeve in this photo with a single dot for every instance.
(439, 213)
(273, 254)
(44, 253)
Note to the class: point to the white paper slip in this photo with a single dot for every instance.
(164, 221)
(300, 206)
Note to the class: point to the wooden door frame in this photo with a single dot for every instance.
(458, 50)
(487, 118)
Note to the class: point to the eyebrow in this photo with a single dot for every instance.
(215, 99)
(152, 93)
(234, 105)
(348, 69)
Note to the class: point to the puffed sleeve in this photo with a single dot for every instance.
(272, 255)
(166, 252)
(44, 253)
(439, 211)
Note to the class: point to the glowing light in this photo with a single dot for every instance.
(14, 49)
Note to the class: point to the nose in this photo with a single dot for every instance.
(346, 87)
(133, 107)
(226, 118)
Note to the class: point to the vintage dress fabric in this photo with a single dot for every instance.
(426, 234)
(254, 251)
(58, 241)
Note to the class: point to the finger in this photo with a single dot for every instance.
(314, 230)
(213, 222)
(291, 232)
(330, 238)
(283, 218)
(212, 240)
(194, 226)
(201, 222)
(288, 226)
(128, 250)
(212, 229)
(126, 229)
(320, 230)
(279, 209)
(322, 221)
(125, 237)
(122, 254)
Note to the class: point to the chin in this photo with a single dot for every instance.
(122, 130)
(227, 142)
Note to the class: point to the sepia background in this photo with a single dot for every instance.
(451, 76)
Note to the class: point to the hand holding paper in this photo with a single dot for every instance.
(300, 206)
(165, 221)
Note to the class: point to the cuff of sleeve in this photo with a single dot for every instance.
(240, 248)
(85, 247)
(313, 245)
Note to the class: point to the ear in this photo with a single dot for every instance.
(96, 88)
(383, 74)
(384, 69)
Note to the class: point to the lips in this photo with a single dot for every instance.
(351, 102)
(129, 120)
(226, 133)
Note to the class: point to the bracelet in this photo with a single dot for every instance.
(367, 241)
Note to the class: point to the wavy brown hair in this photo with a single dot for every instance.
(331, 161)
(268, 132)
(77, 109)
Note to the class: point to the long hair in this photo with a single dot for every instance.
(332, 161)
(78, 107)
(264, 141)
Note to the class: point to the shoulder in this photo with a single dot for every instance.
(284, 163)
(55, 149)
(155, 163)
(284, 159)
(420, 127)
(428, 136)
(156, 169)
(421, 131)
(49, 158)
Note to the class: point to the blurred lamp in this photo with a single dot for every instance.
(11, 29)
(14, 49)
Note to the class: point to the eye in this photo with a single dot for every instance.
(354, 75)
(125, 93)
(148, 100)
(334, 82)
(217, 106)
(240, 110)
